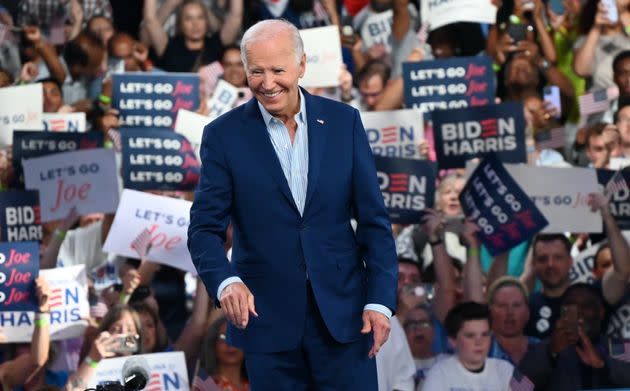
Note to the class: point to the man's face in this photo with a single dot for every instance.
(590, 311)
(596, 151)
(509, 311)
(372, 91)
(419, 331)
(602, 263)
(621, 76)
(273, 74)
(472, 343)
(552, 263)
(407, 275)
(623, 124)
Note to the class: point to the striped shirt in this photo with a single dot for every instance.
(293, 157)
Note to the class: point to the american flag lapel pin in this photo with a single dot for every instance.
(321, 121)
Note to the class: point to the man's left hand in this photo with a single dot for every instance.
(374, 321)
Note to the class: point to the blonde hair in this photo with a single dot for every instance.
(503, 282)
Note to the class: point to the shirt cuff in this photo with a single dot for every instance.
(376, 307)
(225, 283)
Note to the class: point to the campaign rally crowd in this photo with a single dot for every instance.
(516, 280)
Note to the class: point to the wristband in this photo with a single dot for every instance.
(496, 67)
(104, 99)
(123, 298)
(91, 363)
(473, 251)
(60, 233)
(435, 243)
(41, 320)
(627, 29)
(515, 19)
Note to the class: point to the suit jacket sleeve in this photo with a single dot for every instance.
(210, 213)
(374, 233)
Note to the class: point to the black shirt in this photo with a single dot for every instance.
(178, 58)
(543, 313)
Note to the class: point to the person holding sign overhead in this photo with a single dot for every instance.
(303, 292)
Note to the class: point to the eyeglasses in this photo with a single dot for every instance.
(418, 325)
(222, 337)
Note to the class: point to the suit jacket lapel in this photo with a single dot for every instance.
(317, 131)
(257, 136)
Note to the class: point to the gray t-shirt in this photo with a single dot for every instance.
(608, 46)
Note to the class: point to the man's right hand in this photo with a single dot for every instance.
(237, 302)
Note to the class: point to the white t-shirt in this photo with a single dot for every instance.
(394, 362)
(450, 375)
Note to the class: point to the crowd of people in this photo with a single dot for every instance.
(465, 320)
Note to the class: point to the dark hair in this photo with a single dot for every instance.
(8, 74)
(409, 261)
(161, 340)
(428, 274)
(464, 312)
(622, 102)
(587, 17)
(594, 130)
(52, 80)
(75, 53)
(625, 55)
(546, 238)
(583, 287)
(208, 359)
(375, 67)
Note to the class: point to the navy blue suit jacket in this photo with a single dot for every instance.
(275, 249)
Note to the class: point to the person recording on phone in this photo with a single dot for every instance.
(577, 355)
(605, 26)
(118, 334)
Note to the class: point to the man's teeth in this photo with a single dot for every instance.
(271, 95)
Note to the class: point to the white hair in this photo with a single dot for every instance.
(267, 29)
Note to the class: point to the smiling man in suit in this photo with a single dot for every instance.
(308, 299)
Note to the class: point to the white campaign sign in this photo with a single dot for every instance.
(322, 46)
(222, 99)
(561, 194)
(20, 109)
(190, 125)
(166, 219)
(377, 30)
(168, 371)
(394, 133)
(582, 269)
(68, 305)
(439, 13)
(64, 122)
(86, 179)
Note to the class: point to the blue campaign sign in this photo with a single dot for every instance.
(19, 217)
(152, 100)
(19, 267)
(620, 200)
(505, 214)
(464, 134)
(449, 84)
(408, 187)
(158, 159)
(30, 144)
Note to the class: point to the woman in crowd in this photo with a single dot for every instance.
(191, 47)
(509, 308)
(224, 363)
(118, 334)
(602, 39)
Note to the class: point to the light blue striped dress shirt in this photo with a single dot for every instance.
(293, 159)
